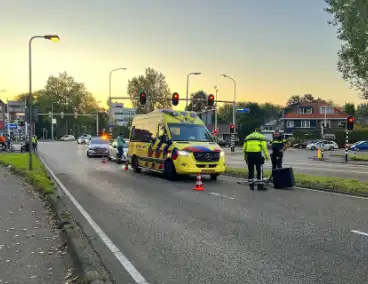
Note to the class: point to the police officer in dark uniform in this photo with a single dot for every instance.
(279, 146)
(254, 145)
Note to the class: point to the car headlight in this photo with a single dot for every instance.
(183, 153)
(222, 153)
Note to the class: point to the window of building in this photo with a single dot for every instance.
(305, 124)
(305, 110)
(328, 109)
(290, 123)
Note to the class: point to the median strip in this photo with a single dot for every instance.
(348, 186)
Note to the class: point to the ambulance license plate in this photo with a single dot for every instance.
(208, 171)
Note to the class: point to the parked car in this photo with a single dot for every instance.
(360, 146)
(98, 147)
(84, 139)
(303, 145)
(327, 145)
(67, 138)
(114, 154)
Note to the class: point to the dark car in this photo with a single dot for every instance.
(304, 144)
(98, 147)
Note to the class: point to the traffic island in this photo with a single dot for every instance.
(346, 186)
(88, 267)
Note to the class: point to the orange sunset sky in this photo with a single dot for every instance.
(273, 49)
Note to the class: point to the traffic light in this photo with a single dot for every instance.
(232, 128)
(175, 99)
(211, 100)
(142, 98)
(350, 120)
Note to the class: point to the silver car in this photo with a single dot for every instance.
(84, 139)
(114, 154)
(98, 147)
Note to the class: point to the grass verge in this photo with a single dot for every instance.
(38, 177)
(359, 157)
(348, 186)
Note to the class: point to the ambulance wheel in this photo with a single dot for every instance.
(214, 177)
(135, 165)
(170, 171)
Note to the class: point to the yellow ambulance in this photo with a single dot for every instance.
(174, 143)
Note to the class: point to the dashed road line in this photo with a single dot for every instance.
(359, 233)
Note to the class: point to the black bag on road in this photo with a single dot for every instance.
(283, 178)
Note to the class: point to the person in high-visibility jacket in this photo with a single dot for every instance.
(254, 145)
(279, 146)
(34, 142)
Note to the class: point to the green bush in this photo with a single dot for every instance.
(354, 136)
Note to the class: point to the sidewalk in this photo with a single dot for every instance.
(30, 247)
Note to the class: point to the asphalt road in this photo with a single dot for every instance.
(302, 161)
(224, 234)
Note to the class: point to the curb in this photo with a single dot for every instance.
(88, 267)
(85, 259)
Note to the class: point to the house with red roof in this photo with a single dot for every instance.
(310, 116)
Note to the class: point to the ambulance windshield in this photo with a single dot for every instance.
(189, 132)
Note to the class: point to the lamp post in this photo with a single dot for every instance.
(193, 73)
(216, 90)
(53, 38)
(98, 110)
(110, 110)
(234, 106)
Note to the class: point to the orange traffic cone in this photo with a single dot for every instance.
(199, 185)
(103, 160)
(126, 167)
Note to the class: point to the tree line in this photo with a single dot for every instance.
(63, 93)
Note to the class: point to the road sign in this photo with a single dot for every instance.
(243, 110)
(54, 121)
(12, 126)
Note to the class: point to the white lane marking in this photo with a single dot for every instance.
(223, 196)
(333, 193)
(138, 278)
(359, 233)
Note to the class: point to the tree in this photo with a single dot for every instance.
(350, 18)
(349, 108)
(64, 94)
(156, 88)
(294, 100)
(199, 102)
(362, 111)
(271, 111)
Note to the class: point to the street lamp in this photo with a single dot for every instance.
(110, 110)
(193, 73)
(54, 38)
(98, 110)
(234, 105)
(216, 90)
(234, 102)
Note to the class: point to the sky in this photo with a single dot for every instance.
(273, 49)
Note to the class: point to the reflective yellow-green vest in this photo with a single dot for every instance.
(255, 143)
